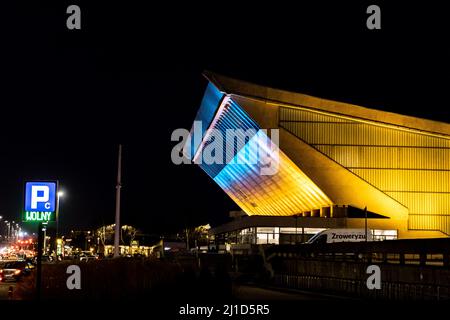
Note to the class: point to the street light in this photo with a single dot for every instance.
(60, 194)
(45, 238)
(7, 229)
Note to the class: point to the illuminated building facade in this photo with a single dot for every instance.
(331, 158)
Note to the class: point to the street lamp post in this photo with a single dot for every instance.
(296, 248)
(59, 195)
(7, 230)
(16, 232)
(365, 221)
(45, 239)
(117, 229)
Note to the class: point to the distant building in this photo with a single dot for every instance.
(82, 240)
(132, 241)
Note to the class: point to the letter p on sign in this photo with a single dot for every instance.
(39, 194)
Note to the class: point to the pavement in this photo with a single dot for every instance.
(4, 288)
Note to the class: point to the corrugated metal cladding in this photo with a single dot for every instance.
(409, 166)
(427, 222)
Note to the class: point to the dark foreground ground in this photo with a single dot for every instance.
(126, 279)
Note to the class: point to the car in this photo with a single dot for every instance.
(13, 271)
(29, 266)
(87, 257)
(44, 259)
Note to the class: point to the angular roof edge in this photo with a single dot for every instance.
(250, 90)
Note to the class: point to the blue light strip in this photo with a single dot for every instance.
(208, 108)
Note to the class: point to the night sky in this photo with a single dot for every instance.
(133, 74)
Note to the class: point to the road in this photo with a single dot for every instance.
(4, 287)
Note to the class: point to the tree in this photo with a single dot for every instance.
(127, 234)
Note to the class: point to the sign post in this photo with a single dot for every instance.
(40, 208)
(39, 262)
(365, 221)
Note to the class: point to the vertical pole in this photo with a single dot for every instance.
(44, 244)
(57, 215)
(303, 234)
(296, 217)
(118, 186)
(296, 248)
(57, 221)
(39, 263)
(365, 220)
(187, 239)
(197, 253)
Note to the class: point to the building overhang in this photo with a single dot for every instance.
(288, 222)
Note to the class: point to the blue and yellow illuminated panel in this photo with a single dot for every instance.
(235, 129)
(206, 113)
(288, 191)
(254, 172)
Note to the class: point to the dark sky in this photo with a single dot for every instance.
(133, 74)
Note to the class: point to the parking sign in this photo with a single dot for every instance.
(40, 201)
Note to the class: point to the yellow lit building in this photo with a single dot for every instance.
(330, 157)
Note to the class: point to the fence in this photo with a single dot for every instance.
(410, 269)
